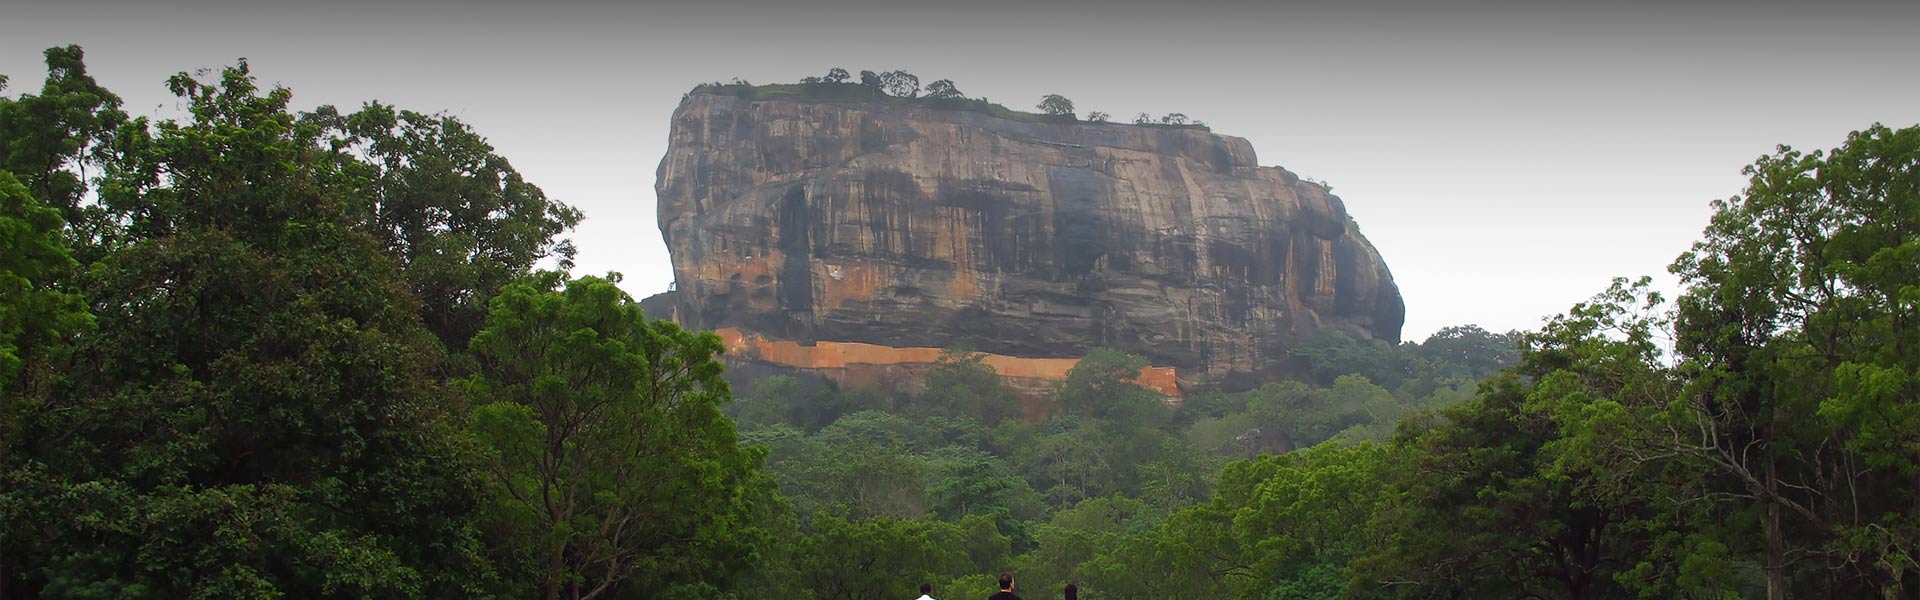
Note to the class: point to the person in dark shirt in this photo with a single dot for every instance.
(1073, 591)
(1006, 588)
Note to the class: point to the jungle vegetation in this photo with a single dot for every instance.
(255, 352)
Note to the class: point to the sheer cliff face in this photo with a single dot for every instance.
(912, 227)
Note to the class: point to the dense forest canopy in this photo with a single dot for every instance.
(259, 352)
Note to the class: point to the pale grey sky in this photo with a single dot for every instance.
(1507, 158)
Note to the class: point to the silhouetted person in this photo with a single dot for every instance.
(926, 592)
(1073, 591)
(1006, 589)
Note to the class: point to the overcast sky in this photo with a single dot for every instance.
(1507, 158)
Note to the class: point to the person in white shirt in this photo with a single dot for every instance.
(926, 592)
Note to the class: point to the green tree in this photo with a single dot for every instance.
(961, 384)
(1056, 105)
(1467, 352)
(966, 482)
(1102, 385)
(37, 317)
(251, 416)
(867, 469)
(1302, 518)
(1783, 418)
(942, 89)
(1078, 534)
(1477, 511)
(1329, 354)
(456, 216)
(829, 403)
(1534, 478)
(38, 321)
(767, 402)
(1279, 527)
(1796, 339)
(606, 449)
(51, 139)
(1177, 474)
(899, 84)
(879, 558)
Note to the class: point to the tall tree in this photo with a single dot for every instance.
(609, 459)
(1797, 330)
(251, 417)
(37, 323)
(456, 216)
(54, 141)
(37, 316)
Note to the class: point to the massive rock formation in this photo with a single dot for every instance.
(897, 225)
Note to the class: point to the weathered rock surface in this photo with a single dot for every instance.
(909, 227)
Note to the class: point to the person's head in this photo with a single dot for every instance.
(926, 589)
(1073, 591)
(1006, 582)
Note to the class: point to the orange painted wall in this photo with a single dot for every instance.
(854, 362)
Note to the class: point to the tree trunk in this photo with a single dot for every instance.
(1776, 540)
(554, 567)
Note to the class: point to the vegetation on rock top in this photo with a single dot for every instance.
(902, 88)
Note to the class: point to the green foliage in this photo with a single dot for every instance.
(1466, 353)
(51, 139)
(610, 464)
(254, 353)
(879, 558)
(766, 402)
(36, 318)
(943, 89)
(960, 384)
(1796, 333)
(1479, 530)
(1056, 105)
(1079, 534)
(806, 404)
(1128, 480)
(1101, 385)
(1329, 355)
(900, 84)
(457, 218)
(252, 414)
